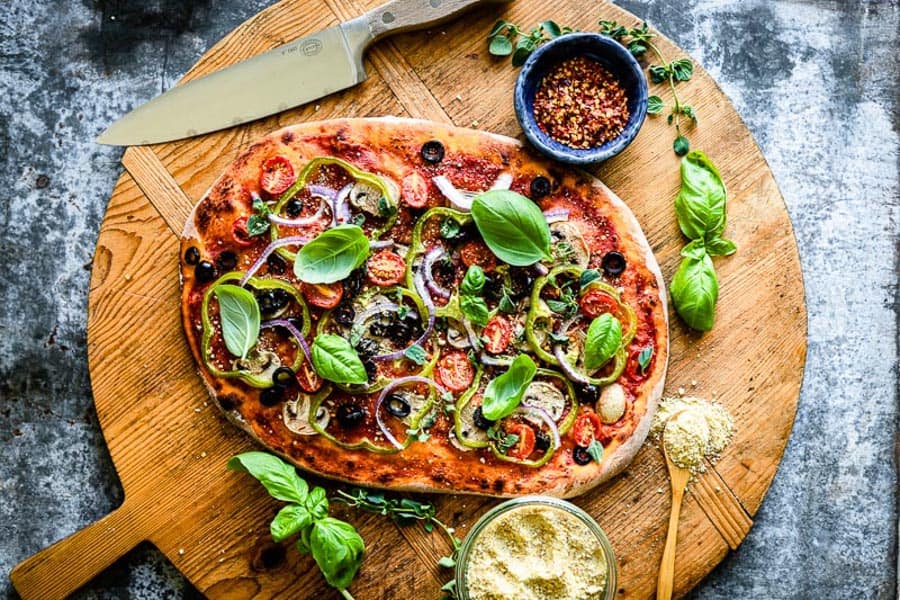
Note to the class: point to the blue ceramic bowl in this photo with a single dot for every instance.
(609, 53)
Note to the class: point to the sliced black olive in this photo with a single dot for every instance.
(272, 301)
(276, 264)
(542, 441)
(293, 208)
(353, 283)
(227, 261)
(521, 283)
(350, 415)
(192, 255)
(273, 395)
(587, 393)
(400, 331)
(432, 152)
(204, 271)
(580, 455)
(493, 286)
(481, 422)
(377, 329)
(344, 314)
(371, 369)
(613, 263)
(397, 405)
(444, 273)
(540, 187)
(282, 376)
(367, 348)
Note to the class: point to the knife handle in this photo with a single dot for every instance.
(404, 15)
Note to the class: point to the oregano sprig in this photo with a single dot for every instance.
(508, 38)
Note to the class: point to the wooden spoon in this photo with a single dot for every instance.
(679, 478)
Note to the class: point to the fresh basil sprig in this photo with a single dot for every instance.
(504, 393)
(336, 360)
(700, 210)
(239, 313)
(471, 303)
(332, 255)
(335, 545)
(513, 227)
(604, 337)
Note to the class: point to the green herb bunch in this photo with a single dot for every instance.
(335, 545)
(638, 41)
(507, 38)
(700, 210)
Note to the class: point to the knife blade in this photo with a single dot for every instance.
(282, 78)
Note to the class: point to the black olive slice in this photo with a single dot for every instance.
(433, 151)
(276, 264)
(521, 283)
(367, 348)
(272, 396)
(227, 261)
(350, 415)
(481, 422)
(344, 314)
(397, 405)
(613, 263)
(542, 441)
(282, 376)
(540, 187)
(371, 369)
(204, 271)
(587, 393)
(272, 301)
(581, 455)
(293, 208)
(192, 255)
(353, 284)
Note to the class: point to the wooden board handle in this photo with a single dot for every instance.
(404, 15)
(57, 571)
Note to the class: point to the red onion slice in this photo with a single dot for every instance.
(556, 214)
(375, 309)
(380, 244)
(392, 386)
(567, 368)
(544, 416)
(280, 242)
(503, 181)
(322, 191)
(293, 331)
(462, 199)
(431, 257)
(301, 221)
(340, 208)
(494, 361)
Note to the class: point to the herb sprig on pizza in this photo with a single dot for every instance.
(405, 304)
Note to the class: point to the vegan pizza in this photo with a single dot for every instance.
(410, 305)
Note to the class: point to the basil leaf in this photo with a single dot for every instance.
(513, 227)
(654, 105)
(257, 225)
(473, 282)
(290, 520)
(338, 550)
(506, 303)
(475, 309)
(695, 290)
(332, 255)
(720, 247)
(644, 358)
(696, 249)
(416, 353)
(595, 449)
(317, 503)
(587, 276)
(335, 360)
(278, 477)
(604, 337)
(239, 313)
(504, 393)
(700, 204)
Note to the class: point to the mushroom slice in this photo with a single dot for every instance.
(542, 394)
(468, 430)
(260, 363)
(296, 416)
(611, 405)
(369, 198)
(569, 245)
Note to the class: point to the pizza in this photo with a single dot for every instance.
(409, 305)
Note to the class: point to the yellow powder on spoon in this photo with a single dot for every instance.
(701, 429)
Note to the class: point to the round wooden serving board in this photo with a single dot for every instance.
(170, 444)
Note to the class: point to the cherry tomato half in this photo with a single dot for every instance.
(385, 268)
(496, 335)
(525, 444)
(414, 190)
(477, 253)
(595, 302)
(239, 232)
(587, 428)
(307, 378)
(455, 372)
(277, 175)
(323, 295)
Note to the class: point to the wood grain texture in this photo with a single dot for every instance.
(170, 445)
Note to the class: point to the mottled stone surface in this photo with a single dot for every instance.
(815, 82)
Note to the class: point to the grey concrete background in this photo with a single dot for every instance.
(815, 81)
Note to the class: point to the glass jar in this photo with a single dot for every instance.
(591, 526)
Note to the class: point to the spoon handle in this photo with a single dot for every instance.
(666, 579)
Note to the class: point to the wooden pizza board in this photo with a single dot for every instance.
(170, 444)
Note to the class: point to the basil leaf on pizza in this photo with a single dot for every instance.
(472, 305)
(335, 360)
(700, 204)
(332, 255)
(604, 337)
(513, 227)
(240, 317)
(695, 290)
(504, 393)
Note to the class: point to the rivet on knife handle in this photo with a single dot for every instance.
(404, 15)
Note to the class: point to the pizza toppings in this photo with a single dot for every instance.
(192, 255)
(432, 152)
(204, 271)
(540, 187)
(596, 302)
(496, 335)
(323, 295)
(455, 371)
(525, 441)
(613, 263)
(350, 415)
(277, 175)
(611, 404)
(385, 268)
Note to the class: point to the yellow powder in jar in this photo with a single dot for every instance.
(536, 553)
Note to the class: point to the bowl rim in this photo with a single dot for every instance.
(535, 500)
(563, 153)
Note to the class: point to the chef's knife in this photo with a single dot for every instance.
(284, 77)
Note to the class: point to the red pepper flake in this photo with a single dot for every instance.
(581, 104)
